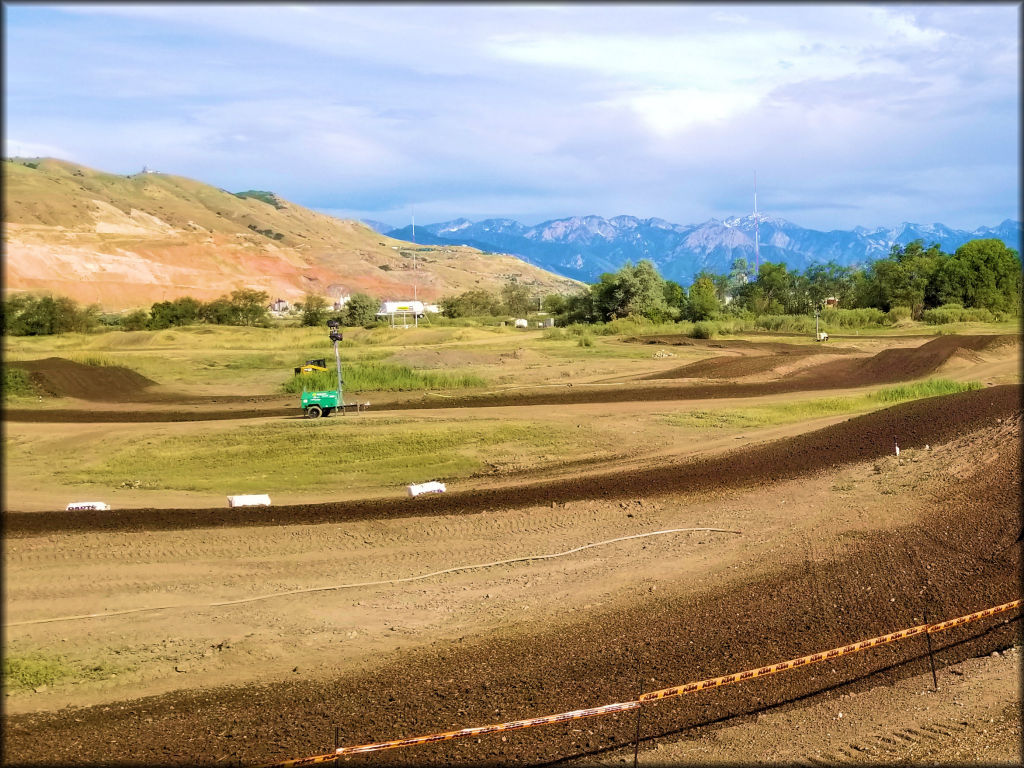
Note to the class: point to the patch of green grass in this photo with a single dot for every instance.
(98, 361)
(341, 452)
(375, 376)
(787, 413)
(18, 383)
(33, 670)
(919, 389)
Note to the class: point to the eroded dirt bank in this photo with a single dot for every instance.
(912, 425)
(962, 556)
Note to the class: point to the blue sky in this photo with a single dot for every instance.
(850, 115)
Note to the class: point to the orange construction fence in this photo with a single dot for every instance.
(664, 693)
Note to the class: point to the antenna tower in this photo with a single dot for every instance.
(757, 243)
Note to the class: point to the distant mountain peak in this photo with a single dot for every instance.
(583, 247)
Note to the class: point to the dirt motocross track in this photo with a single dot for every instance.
(959, 552)
(963, 556)
(68, 379)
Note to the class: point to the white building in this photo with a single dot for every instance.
(415, 308)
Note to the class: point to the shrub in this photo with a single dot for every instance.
(954, 313)
(18, 383)
(381, 377)
(702, 331)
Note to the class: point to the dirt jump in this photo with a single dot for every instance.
(961, 557)
(937, 537)
(886, 367)
(58, 377)
(914, 424)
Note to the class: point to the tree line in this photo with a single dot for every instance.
(982, 275)
(981, 280)
(38, 315)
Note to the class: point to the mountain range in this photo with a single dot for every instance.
(584, 247)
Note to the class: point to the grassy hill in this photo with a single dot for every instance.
(127, 241)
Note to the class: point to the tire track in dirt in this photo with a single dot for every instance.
(886, 367)
(914, 424)
(514, 673)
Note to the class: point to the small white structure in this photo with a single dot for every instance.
(77, 506)
(522, 323)
(249, 500)
(406, 309)
(432, 487)
(279, 307)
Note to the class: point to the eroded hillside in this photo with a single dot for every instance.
(127, 241)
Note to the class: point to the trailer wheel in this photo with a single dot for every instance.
(313, 412)
(328, 411)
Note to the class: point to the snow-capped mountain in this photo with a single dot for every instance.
(583, 247)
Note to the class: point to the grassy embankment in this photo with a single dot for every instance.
(321, 455)
(757, 416)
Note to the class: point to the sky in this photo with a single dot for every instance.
(847, 114)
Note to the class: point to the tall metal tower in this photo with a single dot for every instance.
(757, 243)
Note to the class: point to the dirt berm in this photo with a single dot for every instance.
(886, 367)
(913, 425)
(961, 557)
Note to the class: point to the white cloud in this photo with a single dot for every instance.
(18, 148)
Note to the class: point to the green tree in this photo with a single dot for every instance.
(703, 299)
(360, 310)
(472, 303)
(314, 310)
(675, 298)
(35, 315)
(250, 306)
(219, 312)
(554, 304)
(633, 290)
(517, 299)
(993, 274)
(164, 314)
(136, 320)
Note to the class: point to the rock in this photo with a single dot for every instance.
(182, 668)
(40, 688)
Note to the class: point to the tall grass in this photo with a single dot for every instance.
(381, 377)
(919, 389)
(954, 313)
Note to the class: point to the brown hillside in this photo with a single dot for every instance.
(127, 241)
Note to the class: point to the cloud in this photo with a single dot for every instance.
(540, 111)
(18, 148)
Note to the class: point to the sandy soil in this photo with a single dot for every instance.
(228, 639)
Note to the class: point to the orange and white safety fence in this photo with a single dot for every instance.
(664, 693)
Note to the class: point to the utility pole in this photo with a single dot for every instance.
(757, 244)
(336, 336)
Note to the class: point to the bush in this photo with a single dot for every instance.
(702, 331)
(896, 314)
(786, 323)
(864, 317)
(954, 313)
(18, 383)
(585, 340)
